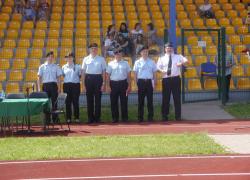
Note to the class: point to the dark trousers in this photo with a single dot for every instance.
(171, 85)
(52, 90)
(73, 92)
(118, 91)
(93, 84)
(228, 78)
(145, 89)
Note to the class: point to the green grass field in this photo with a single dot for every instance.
(239, 110)
(106, 114)
(107, 146)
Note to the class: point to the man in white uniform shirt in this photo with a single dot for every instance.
(170, 66)
(145, 70)
(72, 75)
(118, 76)
(93, 67)
(49, 75)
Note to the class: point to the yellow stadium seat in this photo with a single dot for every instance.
(26, 34)
(81, 42)
(248, 70)
(68, 16)
(196, 50)
(81, 2)
(38, 43)
(234, 39)
(179, 50)
(179, 7)
(208, 39)
(211, 50)
(243, 30)
(64, 51)
(199, 60)
(67, 43)
(192, 40)
(2, 75)
(237, 71)
(57, 9)
(18, 64)
(190, 72)
(4, 17)
(14, 25)
(31, 75)
(21, 53)
(81, 33)
(41, 25)
(239, 6)
(219, 14)
(33, 64)
(142, 8)
(1, 34)
(28, 25)
(227, 6)
(190, 7)
(244, 59)
(12, 33)
(232, 86)
(55, 17)
(16, 17)
(216, 7)
(67, 33)
(53, 33)
(232, 14)
(81, 24)
(81, 16)
(198, 23)
(24, 43)
(94, 24)
(12, 87)
(81, 52)
(230, 30)
(55, 24)
(211, 23)
(9, 43)
(6, 53)
(106, 16)
(154, 8)
(144, 16)
(52, 43)
(6, 9)
(185, 23)
(68, 24)
(36, 53)
(94, 32)
(16, 75)
(69, 10)
(239, 48)
(4, 64)
(237, 22)
(194, 85)
(210, 84)
(182, 15)
(243, 83)
(224, 22)
(243, 13)
(39, 34)
(119, 16)
(246, 39)
(3, 25)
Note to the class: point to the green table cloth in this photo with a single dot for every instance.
(23, 107)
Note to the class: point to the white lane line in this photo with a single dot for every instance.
(127, 159)
(144, 176)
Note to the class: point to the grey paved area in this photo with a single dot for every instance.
(204, 111)
(239, 143)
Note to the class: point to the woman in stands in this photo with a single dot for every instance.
(151, 36)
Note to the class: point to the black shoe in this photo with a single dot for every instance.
(90, 121)
(115, 121)
(124, 120)
(97, 120)
(165, 119)
(140, 120)
(150, 120)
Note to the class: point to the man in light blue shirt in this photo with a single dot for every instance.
(71, 86)
(49, 75)
(118, 76)
(94, 67)
(145, 69)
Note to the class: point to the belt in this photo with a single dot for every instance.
(145, 80)
(50, 83)
(171, 77)
(119, 80)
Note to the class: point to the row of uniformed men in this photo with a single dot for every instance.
(94, 74)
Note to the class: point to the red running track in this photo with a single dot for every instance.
(219, 126)
(174, 168)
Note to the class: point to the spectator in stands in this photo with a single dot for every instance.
(139, 43)
(206, 10)
(43, 10)
(136, 31)
(33, 3)
(110, 45)
(19, 5)
(247, 51)
(248, 17)
(123, 44)
(124, 30)
(152, 36)
(111, 30)
(29, 13)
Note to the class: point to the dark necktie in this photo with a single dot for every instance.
(169, 65)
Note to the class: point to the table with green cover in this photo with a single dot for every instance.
(24, 107)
